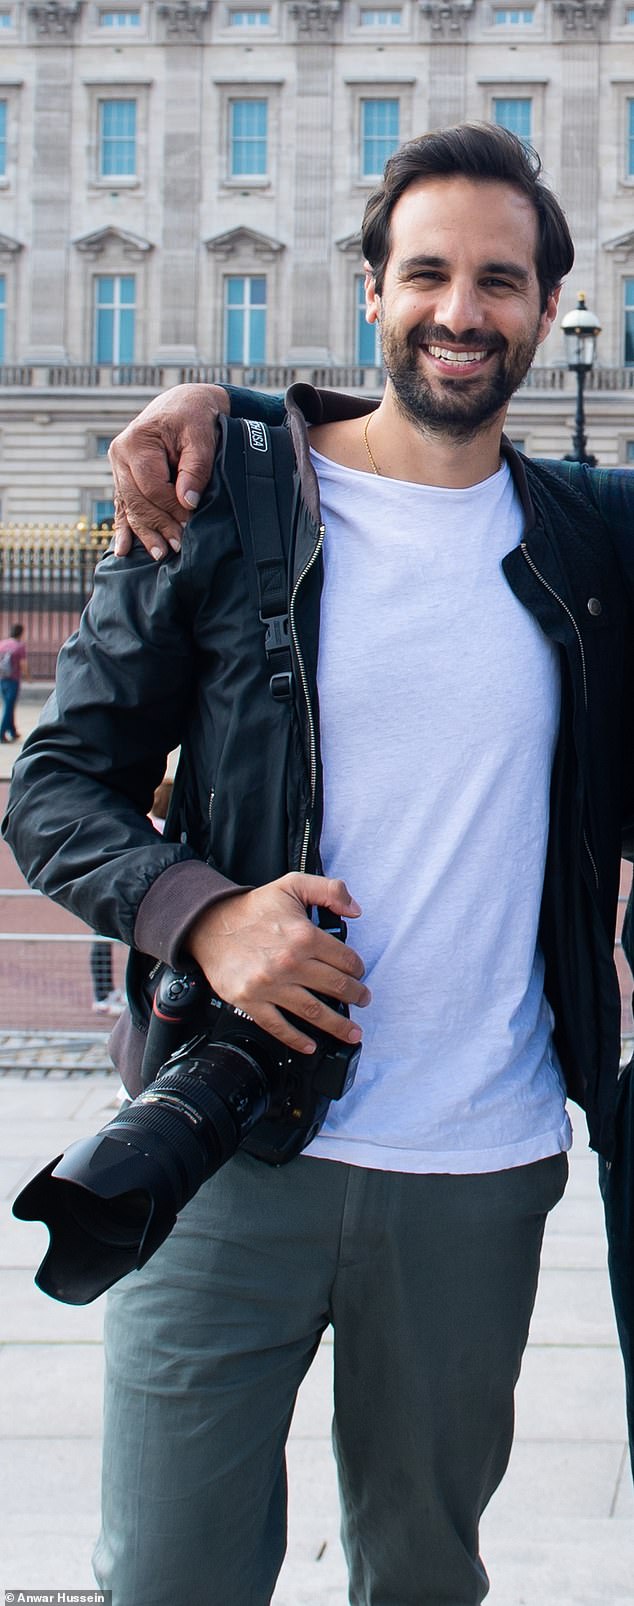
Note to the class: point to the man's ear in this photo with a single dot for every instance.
(549, 314)
(372, 298)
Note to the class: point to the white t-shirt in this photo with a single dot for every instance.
(439, 713)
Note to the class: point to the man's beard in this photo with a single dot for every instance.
(449, 408)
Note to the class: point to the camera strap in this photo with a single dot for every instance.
(262, 485)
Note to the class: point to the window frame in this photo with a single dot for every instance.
(369, 175)
(104, 89)
(257, 174)
(361, 325)
(523, 13)
(627, 308)
(3, 315)
(117, 307)
(236, 89)
(380, 27)
(517, 100)
(245, 307)
(4, 137)
(117, 31)
(249, 27)
(105, 139)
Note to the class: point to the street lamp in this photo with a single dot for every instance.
(580, 328)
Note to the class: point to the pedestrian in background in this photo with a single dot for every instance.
(13, 668)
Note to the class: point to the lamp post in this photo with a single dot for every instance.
(580, 328)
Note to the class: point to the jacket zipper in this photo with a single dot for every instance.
(571, 617)
(312, 739)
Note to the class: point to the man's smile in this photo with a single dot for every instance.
(447, 359)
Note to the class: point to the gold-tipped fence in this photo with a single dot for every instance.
(46, 577)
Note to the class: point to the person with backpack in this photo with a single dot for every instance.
(13, 668)
(397, 656)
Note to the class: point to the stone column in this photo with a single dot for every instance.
(311, 339)
(181, 181)
(580, 54)
(52, 27)
(447, 55)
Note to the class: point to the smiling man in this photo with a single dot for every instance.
(447, 766)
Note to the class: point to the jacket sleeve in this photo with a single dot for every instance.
(321, 406)
(255, 404)
(611, 491)
(82, 786)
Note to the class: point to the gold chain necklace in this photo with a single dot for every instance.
(368, 448)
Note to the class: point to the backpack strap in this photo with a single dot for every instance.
(261, 465)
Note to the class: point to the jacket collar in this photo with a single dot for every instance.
(305, 405)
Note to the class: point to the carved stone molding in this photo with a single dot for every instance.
(261, 246)
(184, 21)
(55, 18)
(447, 17)
(621, 247)
(315, 18)
(580, 16)
(132, 246)
(9, 247)
(350, 245)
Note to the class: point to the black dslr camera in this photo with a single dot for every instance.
(213, 1082)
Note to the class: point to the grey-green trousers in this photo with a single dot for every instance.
(429, 1283)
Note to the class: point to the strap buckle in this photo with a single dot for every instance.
(281, 687)
(277, 633)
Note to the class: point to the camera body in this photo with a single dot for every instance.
(291, 1092)
(213, 1082)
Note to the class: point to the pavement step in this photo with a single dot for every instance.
(54, 1054)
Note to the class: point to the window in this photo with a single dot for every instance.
(367, 339)
(249, 19)
(3, 313)
(629, 452)
(6, 19)
(103, 512)
(3, 138)
(516, 115)
(629, 323)
(506, 17)
(245, 320)
(102, 444)
(117, 138)
(120, 19)
(114, 318)
(629, 17)
(248, 139)
(369, 17)
(379, 134)
(630, 139)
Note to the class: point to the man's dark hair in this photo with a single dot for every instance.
(482, 152)
(17, 631)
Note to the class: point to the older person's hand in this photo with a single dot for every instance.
(161, 464)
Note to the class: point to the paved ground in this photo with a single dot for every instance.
(560, 1532)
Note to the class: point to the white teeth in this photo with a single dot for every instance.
(456, 356)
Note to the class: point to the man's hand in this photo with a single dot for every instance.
(173, 438)
(261, 953)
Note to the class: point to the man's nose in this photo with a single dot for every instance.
(459, 307)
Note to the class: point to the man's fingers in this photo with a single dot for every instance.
(158, 528)
(324, 892)
(304, 1006)
(194, 465)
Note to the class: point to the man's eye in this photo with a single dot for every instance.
(498, 284)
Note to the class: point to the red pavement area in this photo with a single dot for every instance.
(45, 985)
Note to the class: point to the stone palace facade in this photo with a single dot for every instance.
(181, 189)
